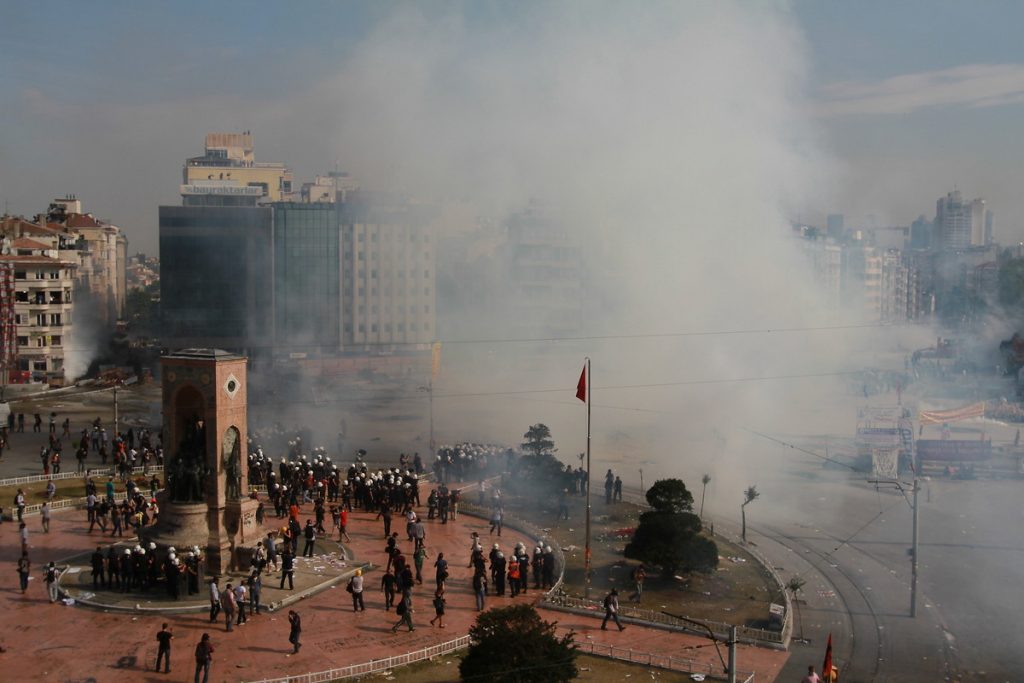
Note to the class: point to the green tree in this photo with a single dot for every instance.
(794, 586)
(749, 496)
(670, 495)
(669, 536)
(514, 645)
(538, 440)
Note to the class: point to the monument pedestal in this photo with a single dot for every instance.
(180, 525)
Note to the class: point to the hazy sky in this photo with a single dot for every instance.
(107, 99)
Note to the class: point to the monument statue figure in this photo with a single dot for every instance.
(232, 465)
(187, 483)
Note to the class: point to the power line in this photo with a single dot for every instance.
(534, 340)
(520, 392)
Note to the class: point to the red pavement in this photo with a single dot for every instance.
(60, 643)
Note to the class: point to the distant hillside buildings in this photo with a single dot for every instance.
(903, 274)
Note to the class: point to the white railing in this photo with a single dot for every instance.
(92, 472)
(683, 664)
(375, 665)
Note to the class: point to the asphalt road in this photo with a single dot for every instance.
(849, 542)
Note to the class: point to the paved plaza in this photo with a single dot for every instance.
(55, 642)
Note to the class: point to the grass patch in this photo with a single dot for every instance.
(737, 592)
(597, 669)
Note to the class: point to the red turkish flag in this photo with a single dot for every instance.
(826, 668)
(581, 386)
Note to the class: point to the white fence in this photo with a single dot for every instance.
(683, 664)
(376, 664)
(92, 472)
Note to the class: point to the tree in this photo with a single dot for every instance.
(514, 645)
(749, 496)
(669, 535)
(706, 479)
(538, 440)
(670, 495)
(794, 586)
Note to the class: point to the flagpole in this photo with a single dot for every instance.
(586, 556)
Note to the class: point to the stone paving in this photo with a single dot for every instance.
(54, 642)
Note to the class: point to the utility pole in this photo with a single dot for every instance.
(115, 409)
(913, 552)
(430, 400)
(732, 654)
(642, 489)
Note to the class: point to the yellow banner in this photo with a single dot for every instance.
(931, 417)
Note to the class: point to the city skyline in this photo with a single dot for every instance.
(109, 117)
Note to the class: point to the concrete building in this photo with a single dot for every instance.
(229, 158)
(330, 188)
(961, 224)
(216, 277)
(388, 273)
(298, 280)
(101, 250)
(43, 302)
(545, 275)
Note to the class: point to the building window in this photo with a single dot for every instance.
(40, 342)
(55, 340)
(55, 275)
(362, 328)
(22, 341)
(20, 275)
(426, 309)
(373, 328)
(373, 273)
(39, 366)
(55, 319)
(21, 297)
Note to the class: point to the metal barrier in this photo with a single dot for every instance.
(743, 633)
(95, 472)
(682, 664)
(375, 665)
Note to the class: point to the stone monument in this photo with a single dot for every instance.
(205, 500)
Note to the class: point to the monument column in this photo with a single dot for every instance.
(206, 501)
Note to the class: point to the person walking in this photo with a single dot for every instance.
(404, 612)
(440, 569)
(24, 567)
(639, 575)
(23, 532)
(19, 503)
(418, 556)
(240, 600)
(163, 650)
(288, 568)
(496, 519)
(480, 589)
(310, 534)
(438, 607)
(227, 603)
(387, 586)
(355, 587)
(255, 586)
(214, 600)
(52, 574)
(204, 657)
(611, 610)
(295, 630)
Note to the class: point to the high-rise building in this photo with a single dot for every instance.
(230, 163)
(216, 279)
(835, 226)
(961, 224)
(297, 280)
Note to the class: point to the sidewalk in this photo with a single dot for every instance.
(76, 643)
